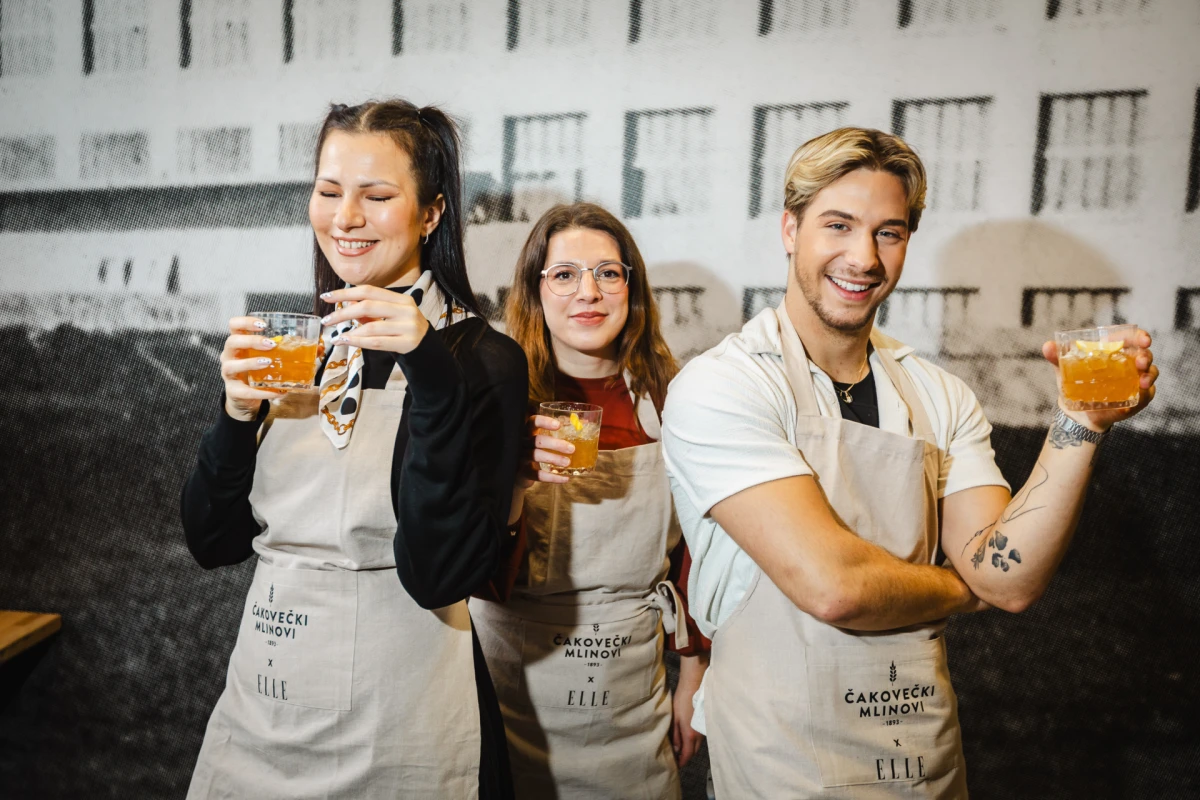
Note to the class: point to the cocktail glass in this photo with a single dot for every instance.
(1097, 366)
(578, 423)
(293, 364)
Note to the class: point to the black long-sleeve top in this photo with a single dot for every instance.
(454, 464)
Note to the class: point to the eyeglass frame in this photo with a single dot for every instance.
(579, 283)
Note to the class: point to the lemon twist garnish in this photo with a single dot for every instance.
(276, 339)
(1098, 347)
(575, 423)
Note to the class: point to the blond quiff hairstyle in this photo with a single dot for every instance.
(831, 156)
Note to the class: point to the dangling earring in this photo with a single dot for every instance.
(426, 241)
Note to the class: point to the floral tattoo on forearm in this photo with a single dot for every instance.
(991, 536)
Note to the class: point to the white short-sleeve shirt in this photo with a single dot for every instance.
(728, 425)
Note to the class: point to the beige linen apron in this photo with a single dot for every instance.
(340, 685)
(798, 708)
(577, 654)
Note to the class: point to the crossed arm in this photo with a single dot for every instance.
(1005, 548)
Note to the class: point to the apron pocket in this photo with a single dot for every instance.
(598, 666)
(882, 713)
(296, 643)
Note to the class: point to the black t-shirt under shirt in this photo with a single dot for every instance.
(864, 404)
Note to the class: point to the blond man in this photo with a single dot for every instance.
(841, 499)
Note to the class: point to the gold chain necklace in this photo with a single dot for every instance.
(847, 398)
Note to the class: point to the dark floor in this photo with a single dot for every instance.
(1092, 694)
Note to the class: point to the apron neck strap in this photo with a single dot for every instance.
(795, 365)
(647, 415)
(918, 419)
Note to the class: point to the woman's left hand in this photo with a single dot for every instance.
(387, 320)
(686, 740)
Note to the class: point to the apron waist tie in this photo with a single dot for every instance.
(665, 598)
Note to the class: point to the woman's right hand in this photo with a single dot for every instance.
(546, 449)
(543, 449)
(242, 402)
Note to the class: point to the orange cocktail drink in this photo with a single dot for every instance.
(578, 423)
(1097, 367)
(293, 364)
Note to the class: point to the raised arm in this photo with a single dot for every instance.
(1008, 548)
(218, 523)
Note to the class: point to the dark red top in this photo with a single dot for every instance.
(620, 429)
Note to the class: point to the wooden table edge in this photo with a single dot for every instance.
(26, 629)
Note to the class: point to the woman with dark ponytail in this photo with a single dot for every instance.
(347, 682)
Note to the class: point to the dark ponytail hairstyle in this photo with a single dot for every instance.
(430, 138)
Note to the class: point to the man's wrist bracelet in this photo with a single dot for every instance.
(1069, 429)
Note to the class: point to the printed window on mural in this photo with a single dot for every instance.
(1096, 9)
(937, 14)
(1087, 156)
(26, 37)
(757, 298)
(319, 30)
(671, 20)
(913, 308)
(297, 148)
(1187, 309)
(114, 156)
(213, 151)
(951, 136)
(803, 16)
(429, 26)
(667, 162)
(1071, 307)
(1193, 190)
(214, 33)
(778, 131)
(27, 158)
(548, 23)
(543, 162)
(114, 35)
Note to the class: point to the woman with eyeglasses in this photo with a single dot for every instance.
(576, 651)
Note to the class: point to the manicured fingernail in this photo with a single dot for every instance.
(264, 362)
(258, 323)
(267, 344)
(325, 319)
(326, 295)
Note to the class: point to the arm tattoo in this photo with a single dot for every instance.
(992, 537)
(1021, 501)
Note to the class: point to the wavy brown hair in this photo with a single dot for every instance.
(642, 350)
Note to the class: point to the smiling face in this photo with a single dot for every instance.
(847, 252)
(365, 212)
(589, 321)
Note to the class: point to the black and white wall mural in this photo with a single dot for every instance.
(154, 165)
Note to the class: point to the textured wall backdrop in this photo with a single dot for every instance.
(154, 167)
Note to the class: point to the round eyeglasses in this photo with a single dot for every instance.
(563, 279)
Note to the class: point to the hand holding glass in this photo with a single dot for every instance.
(1098, 367)
(293, 364)
(578, 423)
